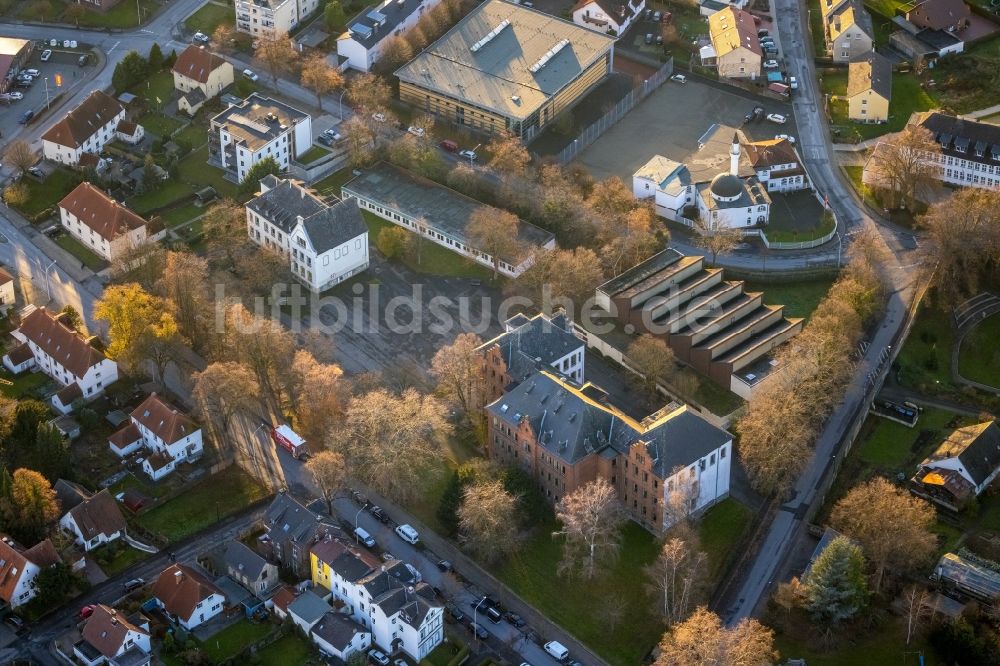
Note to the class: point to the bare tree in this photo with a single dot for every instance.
(458, 369)
(223, 390)
(892, 526)
(396, 52)
(495, 232)
(360, 141)
(611, 198)
(161, 345)
(509, 157)
(183, 284)
(915, 605)
(276, 55)
(627, 239)
(654, 359)
(679, 576)
(319, 77)
(487, 520)
(905, 165)
(224, 37)
(716, 238)
(263, 345)
(318, 395)
(225, 226)
(573, 275)
(19, 154)
(701, 640)
(592, 520)
(369, 93)
(393, 442)
(329, 471)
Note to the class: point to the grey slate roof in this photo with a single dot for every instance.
(870, 70)
(286, 201)
(288, 520)
(338, 629)
(977, 447)
(981, 141)
(69, 494)
(571, 425)
(530, 344)
(374, 24)
(309, 607)
(241, 559)
(335, 226)
(394, 596)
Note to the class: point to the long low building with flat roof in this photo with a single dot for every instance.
(436, 212)
(505, 67)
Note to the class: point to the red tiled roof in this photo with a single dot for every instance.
(164, 420)
(284, 596)
(13, 562)
(197, 63)
(770, 152)
(82, 122)
(106, 630)
(124, 437)
(108, 218)
(127, 128)
(20, 354)
(69, 393)
(67, 346)
(179, 589)
(5, 276)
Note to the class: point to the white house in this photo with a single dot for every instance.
(74, 360)
(361, 45)
(337, 635)
(95, 521)
(200, 75)
(102, 224)
(18, 570)
(381, 596)
(610, 16)
(7, 296)
(270, 18)
(777, 165)
(109, 637)
(255, 129)
(324, 244)
(167, 434)
(970, 149)
(307, 610)
(187, 597)
(962, 467)
(85, 129)
(129, 132)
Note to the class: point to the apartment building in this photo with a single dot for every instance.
(367, 33)
(103, 225)
(848, 29)
(268, 19)
(85, 129)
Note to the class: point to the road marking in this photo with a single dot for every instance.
(113, 47)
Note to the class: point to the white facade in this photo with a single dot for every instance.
(363, 42)
(70, 155)
(359, 643)
(593, 16)
(270, 18)
(104, 248)
(241, 141)
(966, 172)
(7, 296)
(68, 524)
(185, 448)
(204, 611)
(24, 591)
(704, 482)
(778, 179)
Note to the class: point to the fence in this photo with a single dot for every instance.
(608, 120)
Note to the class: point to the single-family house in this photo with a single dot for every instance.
(869, 88)
(735, 47)
(360, 47)
(19, 568)
(339, 635)
(85, 129)
(200, 75)
(291, 530)
(7, 296)
(74, 360)
(951, 16)
(609, 16)
(307, 609)
(104, 225)
(168, 434)
(847, 28)
(94, 521)
(250, 569)
(187, 597)
(129, 132)
(109, 637)
(962, 467)
(280, 600)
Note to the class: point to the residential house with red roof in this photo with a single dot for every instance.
(168, 434)
(777, 165)
(7, 296)
(108, 637)
(187, 597)
(85, 129)
(94, 521)
(66, 355)
(200, 75)
(102, 224)
(19, 568)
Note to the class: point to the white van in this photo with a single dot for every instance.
(557, 650)
(364, 537)
(408, 534)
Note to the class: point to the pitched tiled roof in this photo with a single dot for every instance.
(127, 128)
(13, 562)
(770, 152)
(5, 276)
(125, 436)
(80, 124)
(732, 28)
(163, 419)
(244, 561)
(106, 630)
(348, 562)
(67, 346)
(20, 354)
(69, 494)
(940, 14)
(338, 629)
(326, 226)
(284, 596)
(870, 71)
(977, 447)
(309, 607)
(98, 515)
(197, 63)
(108, 218)
(179, 589)
(69, 393)
(535, 343)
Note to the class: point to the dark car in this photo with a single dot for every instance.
(478, 630)
(133, 585)
(28, 115)
(455, 614)
(437, 592)
(649, 38)
(490, 610)
(444, 565)
(515, 619)
(15, 622)
(325, 140)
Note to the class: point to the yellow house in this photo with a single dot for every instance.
(199, 75)
(734, 39)
(869, 88)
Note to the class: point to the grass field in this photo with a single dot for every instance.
(332, 183)
(313, 154)
(194, 173)
(777, 233)
(122, 15)
(24, 385)
(209, 17)
(434, 259)
(289, 650)
(194, 135)
(799, 298)
(78, 250)
(892, 446)
(125, 557)
(160, 125)
(979, 359)
(925, 357)
(884, 645)
(585, 608)
(214, 498)
(179, 216)
(48, 193)
(722, 529)
(234, 638)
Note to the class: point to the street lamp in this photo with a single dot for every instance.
(358, 514)
(45, 272)
(340, 103)
(472, 153)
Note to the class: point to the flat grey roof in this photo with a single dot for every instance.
(506, 58)
(258, 120)
(442, 208)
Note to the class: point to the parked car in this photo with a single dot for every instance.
(437, 592)
(378, 117)
(32, 72)
(201, 38)
(28, 115)
(649, 14)
(455, 614)
(133, 585)
(364, 537)
(679, 78)
(332, 134)
(468, 154)
(486, 609)
(515, 619)
(15, 622)
(762, 33)
(449, 146)
(15, 95)
(657, 16)
(36, 172)
(325, 140)
(787, 137)
(771, 64)
(793, 83)
(250, 74)
(86, 612)
(478, 630)
(46, 54)
(399, 662)
(415, 131)
(407, 534)
(777, 118)
(659, 40)
(378, 657)
(444, 565)
(527, 3)
(649, 38)
(557, 650)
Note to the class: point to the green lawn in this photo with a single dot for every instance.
(159, 124)
(124, 557)
(580, 607)
(434, 259)
(799, 298)
(122, 15)
(885, 7)
(289, 650)
(179, 216)
(816, 28)
(24, 385)
(925, 357)
(209, 17)
(78, 250)
(722, 531)
(49, 192)
(313, 154)
(979, 359)
(168, 192)
(195, 170)
(215, 497)
(332, 183)
(718, 400)
(907, 97)
(159, 85)
(781, 233)
(194, 135)
(891, 446)
(885, 645)
(40, 11)
(132, 482)
(234, 638)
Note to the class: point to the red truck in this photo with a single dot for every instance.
(289, 440)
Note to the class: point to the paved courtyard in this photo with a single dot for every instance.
(669, 122)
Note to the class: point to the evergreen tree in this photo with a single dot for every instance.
(171, 59)
(265, 167)
(6, 481)
(333, 14)
(132, 69)
(72, 316)
(155, 58)
(50, 456)
(835, 589)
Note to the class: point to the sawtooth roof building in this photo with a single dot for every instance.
(505, 67)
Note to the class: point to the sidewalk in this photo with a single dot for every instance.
(70, 264)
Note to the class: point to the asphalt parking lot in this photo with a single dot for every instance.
(63, 62)
(670, 122)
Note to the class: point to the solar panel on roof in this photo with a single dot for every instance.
(376, 16)
(362, 30)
